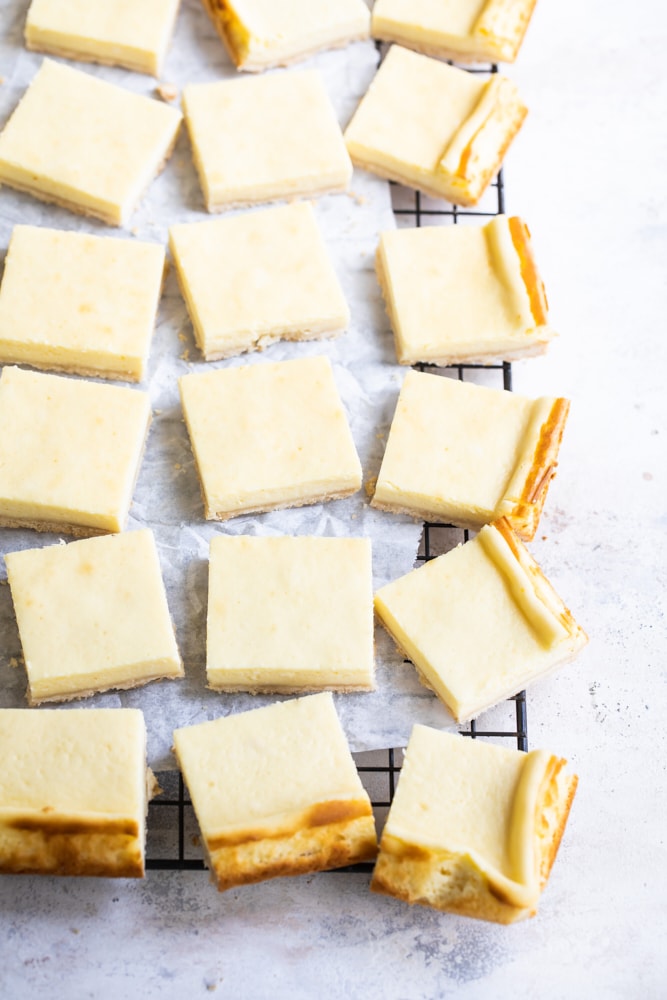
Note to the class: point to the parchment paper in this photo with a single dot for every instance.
(167, 497)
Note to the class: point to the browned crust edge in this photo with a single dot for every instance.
(279, 505)
(291, 688)
(439, 51)
(88, 693)
(288, 196)
(74, 369)
(476, 184)
(455, 198)
(78, 55)
(533, 283)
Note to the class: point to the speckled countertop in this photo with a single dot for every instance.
(588, 174)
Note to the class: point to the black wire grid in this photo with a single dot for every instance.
(173, 835)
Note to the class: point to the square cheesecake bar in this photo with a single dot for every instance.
(78, 303)
(466, 31)
(463, 294)
(473, 828)
(289, 615)
(480, 622)
(134, 34)
(269, 436)
(433, 127)
(74, 792)
(70, 452)
(262, 33)
(85, 144)
(256, 278)
(276, 792)
(467, 455)
(263, 139)
(92, 615)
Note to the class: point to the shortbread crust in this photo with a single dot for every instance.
(473, 828)
(134, 34)
(265, 138)
(78, 303)
(276, 792)
(480, 622)
(288, 615)
(74, 792)
(269, 436)
(70, 452)
(463, 294)
(466, 454)
(85, 144)
(92, 616)
(467, 31)
(260, 34)
(256, 278)
(433, 127)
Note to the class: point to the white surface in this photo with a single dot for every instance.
(594, 78)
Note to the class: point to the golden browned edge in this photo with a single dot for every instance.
(328, 835)
(78, 56)
(74, 369)
(531, 278)
(88, 693)
(78, 209)
(401, 868)
(321, 498)
(531, 351)
(526, 14)
(289, 196)
(525, 517)
(290, 688)
(395, 175)
(476, 186)
(424, 514)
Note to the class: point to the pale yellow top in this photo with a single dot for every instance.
(478, 623)
(256, 277)
(269, 433)
(258, 767)
(292, 612)
(79, 139)
(411, 112)
(455, 289)
(92, 615)
(466, 797)
(73, 301)
(83, 763)
(454, 447)
(69, 449)
(133, 33)
(266, 137)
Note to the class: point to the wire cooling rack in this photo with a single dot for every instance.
(173, 836)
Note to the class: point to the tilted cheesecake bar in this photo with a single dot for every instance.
(269, 436)
(265, 138)
(466, 31)
(256, 278)
(463, 294)
(473, 828)
(480, 622)
(289, 615)
(435, 128)
(70, 452)
(85, 144)
(259, 34)
(92, 615)
(74, 792)
(130, 33)
(276, 792)
(78, 303)
(466, 454)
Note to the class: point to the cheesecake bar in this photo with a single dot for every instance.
(78, 303)
(289, 615)
(473, 828)
(433, 127)
(480, 622)
(467, 455)
(92, 615)
(262, 33)
(74, 792)
(467, 31)
(276, 792)
(85, 144)
(269, 436)
(265, 138)
(252, 279)
(70, 452)
(134, 34)
(463, 294)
